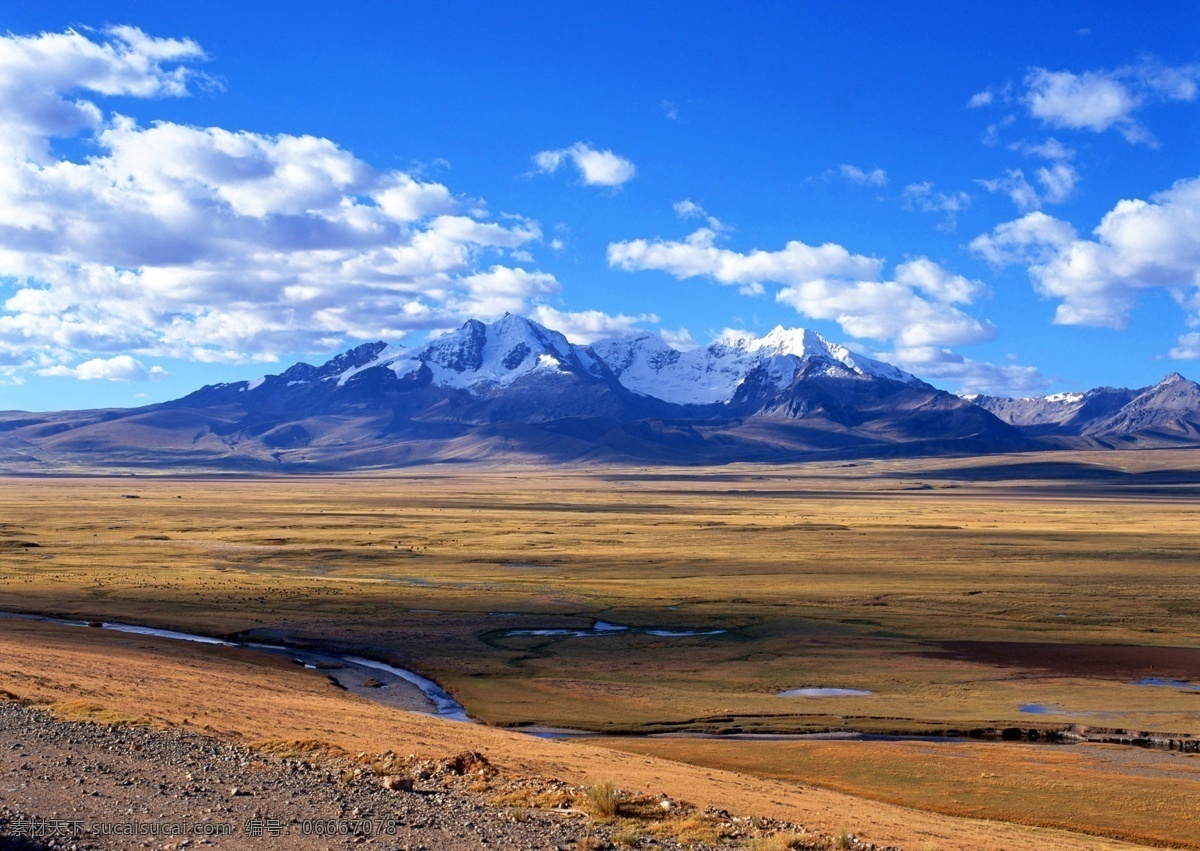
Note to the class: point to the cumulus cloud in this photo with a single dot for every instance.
(118, 368)
(1187, 347)
(596, 168)
(854, 174)
(698, 255)
(916, 307)
(680, 338)
(502, 290)
(588, 326)
(968, 376)
(212, 244)
(1093, 100)
(885, 310)
(1016, 187)
(689, 209)
(39, 74)
(937, 283)
(983, 98)
(1098, 100)
(1137, 245)
(1057, 182)
(1032, 239)
(1049, 149)
(923, 197)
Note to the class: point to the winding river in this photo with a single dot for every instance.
(366, 677)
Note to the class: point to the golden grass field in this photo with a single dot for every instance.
(823, 575)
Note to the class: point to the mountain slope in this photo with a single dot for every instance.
(1061, 413)
(1166, 413)
(1170, 410)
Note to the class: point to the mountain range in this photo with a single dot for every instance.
(513, 390)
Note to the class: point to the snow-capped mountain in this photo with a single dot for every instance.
(515, 389)
(510, 369)
(478, 356)
(1168, 411)
(713, 374)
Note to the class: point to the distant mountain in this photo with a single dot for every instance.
(513, 390)
(718, 372)
(1167, 413)
(510, 370)
(1061, 413)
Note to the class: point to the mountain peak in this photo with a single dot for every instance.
(480, 355)
(713, 374)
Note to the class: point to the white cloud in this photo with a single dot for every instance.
(1091, 100)
(921, 196)
(597, 168)
(118, 368)
(1102, 99)
(588, 326)
(966, 375)
(1050, 149)
(1016, 187)
(1187, 347)
(1058, 182)
(689, 209)
(679, 339)
(698, 256)
(502, 290)
(1032, 239)
(210, 244)
(874, 177)
(669, 110)
(885, 310)
(916, 307)
(979, 99)
(1137, 245)
(40, 73)
(928, 277)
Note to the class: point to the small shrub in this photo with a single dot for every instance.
(604, 799)
(842, 843)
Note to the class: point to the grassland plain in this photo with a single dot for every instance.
(955, 591)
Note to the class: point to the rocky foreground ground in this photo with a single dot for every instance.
(86, 785)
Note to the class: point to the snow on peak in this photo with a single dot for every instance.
(384, 356)
(479, 355)
(712, 374)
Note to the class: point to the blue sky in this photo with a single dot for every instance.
(1001, 200)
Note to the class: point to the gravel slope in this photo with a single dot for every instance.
(83, 785)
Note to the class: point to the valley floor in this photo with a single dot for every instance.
(1032, 592)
